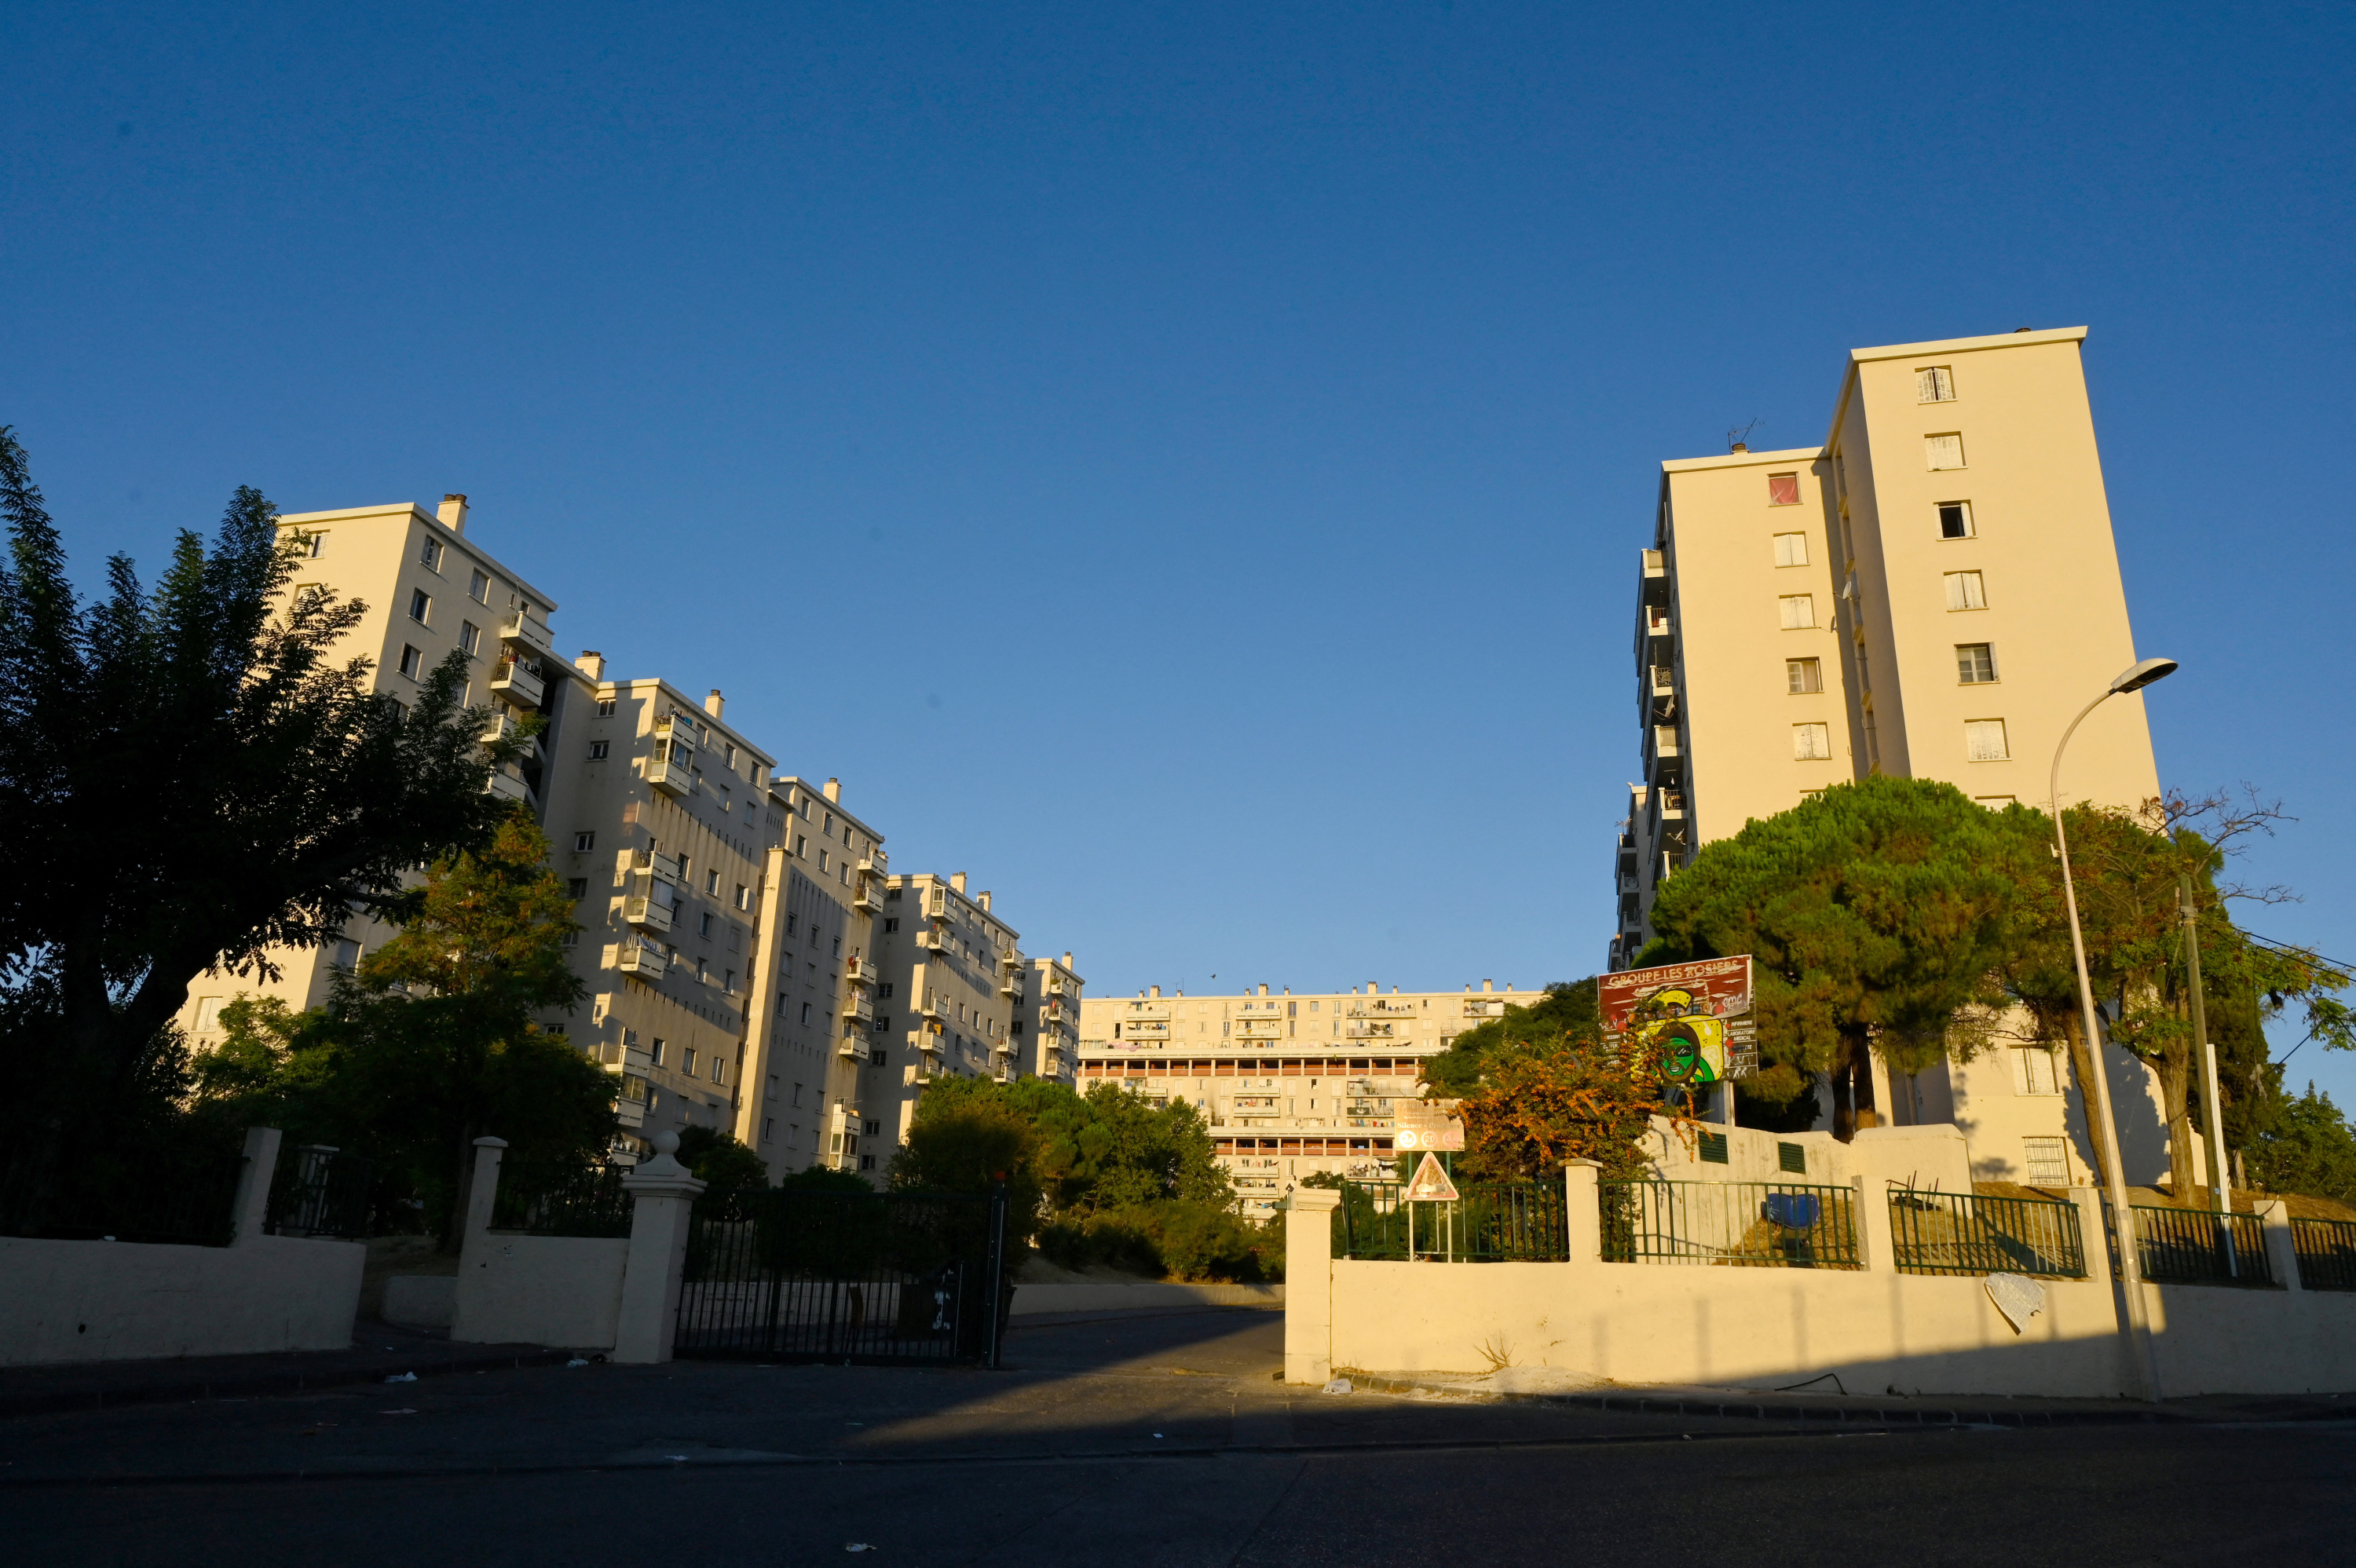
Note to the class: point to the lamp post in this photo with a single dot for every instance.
(2133, 1330)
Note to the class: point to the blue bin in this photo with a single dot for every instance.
(1793, 1210)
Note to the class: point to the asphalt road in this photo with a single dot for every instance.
(1160, 1441)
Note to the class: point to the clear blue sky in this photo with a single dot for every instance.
(1182, 463)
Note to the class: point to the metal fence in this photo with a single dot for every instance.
(317, 1190)
(2200, 1246)
(1522, 1221)
(1761, 1224)
(185, 1194)
(565, 1198)
(783, 1275)
(2326, 1249)
(1960, 1232)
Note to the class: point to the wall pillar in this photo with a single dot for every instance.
(1582, 1198)
(251, 1210)
(2093, 1235)
(662, 1197)
(1877, 1242)
(2282, 1257)
(1309, 1284)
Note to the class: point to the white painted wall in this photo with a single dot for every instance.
(108, 1301)
(540, 1290)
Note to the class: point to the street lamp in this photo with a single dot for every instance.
(2133, 1329)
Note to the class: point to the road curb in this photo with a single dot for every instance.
(247, 1385)
(1765, 1410)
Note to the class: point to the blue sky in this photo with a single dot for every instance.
(1182, 463)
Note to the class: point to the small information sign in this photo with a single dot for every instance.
(1428, 1124)
(1430, 1184)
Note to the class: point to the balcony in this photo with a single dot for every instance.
(1011, 985)
(859, 1009)
(926, 1041)
(527, 634)
(661, 868)
(874, 863)
(508, 784)
(1005, 1048)
(642, 959)
(519, 683)
(646, 914)
(1657, 624)
(1359, 1028)
(930, 1007)
(869, 896)
(858, 971)
(939, 907)
(1012, 961)
(933, 938)
(1663, 681)
(1673, 805)
(1138, 1029)
(1664, 742)
(501, 726)
(851, 1048)
(667, 770)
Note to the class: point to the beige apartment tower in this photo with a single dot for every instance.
(1934, 593)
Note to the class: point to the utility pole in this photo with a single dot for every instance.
(2220, 1196)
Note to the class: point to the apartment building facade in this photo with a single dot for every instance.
(952, 977)
(1934, 593)
(430, 590)
(1291, 1085)
(1046, 1026)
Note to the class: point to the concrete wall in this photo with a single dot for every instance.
(542, 1290)
(107, 1301)
(1874, 1328)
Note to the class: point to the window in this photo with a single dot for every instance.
(769, 1126)
(655, 1051)
(1804, 676)
(805, 1012)
(1793, 1158)
(1943, 450)
(597, 750)
(1782, 489)
(2048, 1165)
(347, 954)
(2032, 1071)
(208, 1013)
(1936, 385)
(605, 707)
(1994, 801)
(1954, 519)
(823, 863)
(720, 1070)
(1975, 664)
(479, 589)
(1984, 740)
(703, 925)
(712, 883)
(413, 662)
(801, 846)
(798, 1096)
(1791, 549)
(430, 558)
(313, 545)
(578, 888)
(792, 922)
(470, 637)
(1810, 742)
(1799, 611)
(743, 896)
(687, 1062)
(884, 990)
(583, 842)
(1966, 591)
(421, 605)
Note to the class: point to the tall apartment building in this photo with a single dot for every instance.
(817, 1069)
(1932, 593)
(952, 974)
(1291, 1085)
(429, 589)
(1046, 1026)
(657, 816)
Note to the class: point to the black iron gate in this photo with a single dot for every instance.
(780, 1275)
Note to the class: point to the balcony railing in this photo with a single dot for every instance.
(507, 784)
(935, 940)
(869, 896)
(874, 863)
(643, 960)
(1656, 623)
(645, 913)
(857, 1007)
(662, 868)
(858, 971)
(517, 683)
(527, 633)
(1010, 983)
(667, 770)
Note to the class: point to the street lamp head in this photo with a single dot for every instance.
(2142, 674)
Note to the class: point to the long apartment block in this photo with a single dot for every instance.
(1291, 1085)
(1932, 592)
(741, 969)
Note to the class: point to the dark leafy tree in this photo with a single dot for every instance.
(1566, 1010)
(193, 778)
(1875, 914)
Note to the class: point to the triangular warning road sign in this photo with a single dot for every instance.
(1430, 1184)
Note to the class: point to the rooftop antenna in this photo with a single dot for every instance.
(1739, 440)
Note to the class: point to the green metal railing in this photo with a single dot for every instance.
(1489, 1223)
(2326, 1249)
(567, 1198)
(2200, 1246)
(1757, 1224)
(1960, 1232)
(317, 1190)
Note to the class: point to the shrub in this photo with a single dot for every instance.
(1176, 1238)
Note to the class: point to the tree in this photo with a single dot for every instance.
(2310, 1149)
(724, 1164)
(1566, 1010)
(1875, 915)
(191, 780)
(434, 1042)
(1537, 1107)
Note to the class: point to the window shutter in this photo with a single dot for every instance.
(1944, 451)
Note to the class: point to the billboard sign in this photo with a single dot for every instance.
(1428, 1124)
(1698, 1016)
